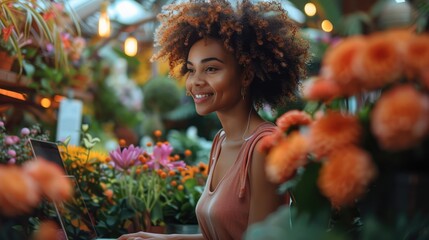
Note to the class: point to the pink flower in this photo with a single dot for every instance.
(161, 157)
(25, 132)
(11, 140)
(11, 153)
(125, 158)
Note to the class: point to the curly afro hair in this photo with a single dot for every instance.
(260, 35)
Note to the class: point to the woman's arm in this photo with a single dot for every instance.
(146, 235)
(264, 198)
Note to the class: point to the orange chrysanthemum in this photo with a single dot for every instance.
(50, 178)
(19, 193)
(49, 230)
(267, 142)
(338, 64)
(293, 118)
(346, 175)
(400, 118)
(332, 131)
(416, 55)
(285, 158)
(378, 62)
(321, 89)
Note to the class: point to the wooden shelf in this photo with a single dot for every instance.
(13, 79)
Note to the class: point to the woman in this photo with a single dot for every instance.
(234, 60)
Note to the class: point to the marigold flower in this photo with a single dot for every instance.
(338, 64)
(50, 178)
(345, 176)
(122, 142)
(293, 118)
(285, 158)
(180, 187)
(173, 183)
(320, 89)
(332, 131)
(400, 118)
(19, 193)
(378, 62)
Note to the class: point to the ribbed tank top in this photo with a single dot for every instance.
(223, 213)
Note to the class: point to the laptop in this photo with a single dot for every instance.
(72, 215)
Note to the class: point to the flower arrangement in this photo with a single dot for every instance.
(367, 118)
(29, 186)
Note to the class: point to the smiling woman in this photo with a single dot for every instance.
(234, 59)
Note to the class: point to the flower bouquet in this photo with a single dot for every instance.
(366, 126)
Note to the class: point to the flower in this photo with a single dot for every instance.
(371, 122)
(346, 175)
(124, 158)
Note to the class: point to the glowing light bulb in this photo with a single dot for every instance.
(310, 9)
(327, 26)
(104, 21)
(130, 46)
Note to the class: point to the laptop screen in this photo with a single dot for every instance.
(74, 216)
(47, 150)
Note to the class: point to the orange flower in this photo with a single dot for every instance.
(49, 230)
(400, 118)
(332, 131)
(267, 142)
(50, 178)
(293, 118)
(285, 158)
(157, 133)
(320, 89)
(416, 55)
(378, 62)
(339, 61)
(188, 152)
(346, 175)
(19, 193)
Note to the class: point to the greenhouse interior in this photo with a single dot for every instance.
(113, 119)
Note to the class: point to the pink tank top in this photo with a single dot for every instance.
(224, 212)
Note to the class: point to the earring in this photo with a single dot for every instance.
(188, 93)
(243, 92)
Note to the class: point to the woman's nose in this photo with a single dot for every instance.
(198, 79)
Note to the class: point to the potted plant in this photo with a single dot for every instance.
(33, 22)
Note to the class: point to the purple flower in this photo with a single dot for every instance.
(161, 157)
(125, 158)
(11, 153)
(11, 161)
(1, 124)
(25, 131)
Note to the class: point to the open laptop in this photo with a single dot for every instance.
(72, 215)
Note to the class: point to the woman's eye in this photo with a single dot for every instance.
(189, 70)
(211, 69)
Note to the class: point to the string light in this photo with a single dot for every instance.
(327, 26)
(104, 21)
(310, 9)
(130, 46)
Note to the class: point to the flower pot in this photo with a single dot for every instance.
(183, 228)
(6, 61)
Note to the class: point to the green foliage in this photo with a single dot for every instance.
(161, 94)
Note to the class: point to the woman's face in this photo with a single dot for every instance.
(214, 79)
